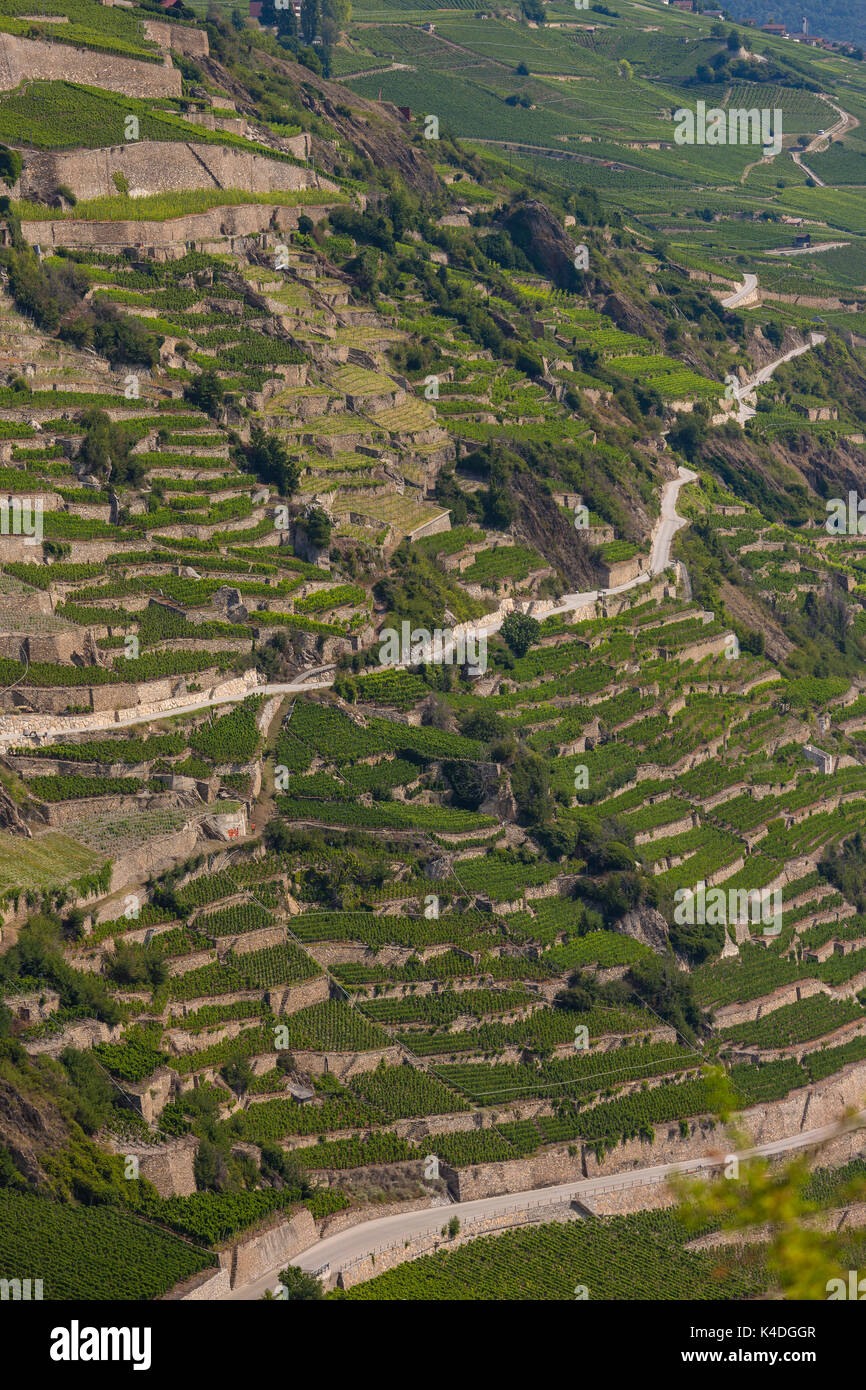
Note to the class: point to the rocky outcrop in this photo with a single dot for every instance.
(501, 804)
(367, 126)
(647, 926)
(30, 1129)
(626, 316)
(541, 525)
(10, 817)
(533, 227)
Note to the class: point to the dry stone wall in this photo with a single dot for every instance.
(192, 42)
(250, 1259)
(158, 166)
(203, 229)
(205, 1288)
(27, 59)
(160, 852)
(803, 1110)
(168, 1166)
(342, 1065)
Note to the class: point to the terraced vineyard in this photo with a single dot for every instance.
(545, 1263)
(432, 710)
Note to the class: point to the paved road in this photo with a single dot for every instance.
(361, 1240)
(310, 679)
(816, 250)
(670, 521)
(749, 285)
(318, 678)
(660, 556)
(745, 412)
(841, 127)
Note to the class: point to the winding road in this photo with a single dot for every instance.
(748, 287)
(363, 1239)
(732, 301)
(841, 127)
(744, 411)
(318, 677)
(339, 1250)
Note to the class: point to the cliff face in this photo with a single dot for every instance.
(541, 524)
(647, 926)
(31, 1128)
(759, 471)
(10, 816)
(374, 130)
(539, 235)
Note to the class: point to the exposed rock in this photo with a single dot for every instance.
(10, 816)
(647, 926)
(626, 316)
(228, 600)
(541, 525)
(29, 1131)
(502, 804)
(533, 227)
(371, 127)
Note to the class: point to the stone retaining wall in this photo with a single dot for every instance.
(202, 228)
(28, 59)
(191, 41)
(206, 1289)
(159, 853)
(389, 1257)
(249, 1259)
(345, 1064)
(805, 1109)
(753, 1009)
(168, 1166)
(151, 698)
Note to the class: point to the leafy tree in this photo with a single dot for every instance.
(73, 924)
(770, 1211)
(132, 964)
(483, 725)
(300, 1287)
(469, 782)
(45, 293)
(94, 1093)
(555, 840)
(284, 1169)
(118, 337)
(687, 436)
(665, 989)
(520, 632)
(98, 443)
(530, 783)
(845, 866)
(318, 528)
(210, 1168)
(205, 391)
(10, 165)
(268, 458)
(310, 19)
(237, 1075)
